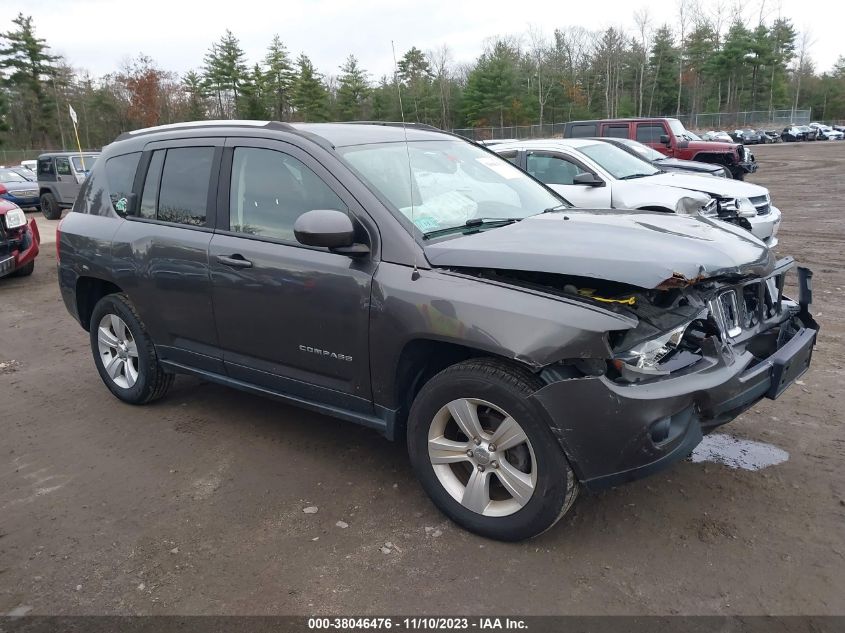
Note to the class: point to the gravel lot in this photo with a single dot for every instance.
(194, 505)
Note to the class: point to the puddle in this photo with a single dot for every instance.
(736, 453)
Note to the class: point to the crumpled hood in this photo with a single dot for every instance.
(639, 248)
(723, 187)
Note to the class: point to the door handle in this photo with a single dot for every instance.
(235, 261)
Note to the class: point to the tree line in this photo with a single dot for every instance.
(704, 61)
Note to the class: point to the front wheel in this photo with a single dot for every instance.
(124, 354)
(484, 453)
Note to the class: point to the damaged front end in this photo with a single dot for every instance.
(19, 240)
(702, 352)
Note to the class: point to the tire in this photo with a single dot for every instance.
(25, 270)
(488, 393)
(50, 207)
(124, 355)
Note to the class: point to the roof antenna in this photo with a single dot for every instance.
(416, 274)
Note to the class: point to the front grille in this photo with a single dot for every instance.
(762, 204)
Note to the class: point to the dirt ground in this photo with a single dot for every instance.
(194, 505)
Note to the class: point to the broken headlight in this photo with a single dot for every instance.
(743, 207)
(647, 355)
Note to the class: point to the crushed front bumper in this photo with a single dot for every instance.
(616, 432)
(18, 247)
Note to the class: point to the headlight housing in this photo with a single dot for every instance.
(15, 219)
(743, 207)
(646, 355)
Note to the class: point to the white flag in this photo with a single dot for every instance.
(72, 114)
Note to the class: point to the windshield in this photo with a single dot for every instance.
(7, 175)
(617, 162)
(681, 132)
(448, 182)
(89, 162)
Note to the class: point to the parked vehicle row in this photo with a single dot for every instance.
(419, 284)
(670, 138)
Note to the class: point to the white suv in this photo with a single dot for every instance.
(596, 175)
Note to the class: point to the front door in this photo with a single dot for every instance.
(289, 317)
(558, 171)
(650, 133)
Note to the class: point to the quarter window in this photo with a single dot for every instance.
(270, 190)
(583, 130)
(120, 174)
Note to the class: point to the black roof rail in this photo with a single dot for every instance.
(190, 125)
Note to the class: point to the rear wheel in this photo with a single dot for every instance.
(124, 354)
(50, 207)
(485, 454)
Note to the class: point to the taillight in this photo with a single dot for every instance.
(3, 190)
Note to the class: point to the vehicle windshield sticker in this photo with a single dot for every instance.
(500, 166)
(120, 205)
(426, 223)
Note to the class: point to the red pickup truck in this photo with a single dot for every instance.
(669, 137)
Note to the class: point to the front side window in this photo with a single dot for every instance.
(176, 186)
(270, 190)
(617, 162)
(120, 175)
(442, 184)
(552, 169)
(649, 132)
(63, 167)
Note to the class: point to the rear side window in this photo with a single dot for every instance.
(511, 156)
(176, 186)
(649, 132)
(120, 174)
(616, 131)
(583, 130)
(45, 166)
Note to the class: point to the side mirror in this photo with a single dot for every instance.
(330, 229)
(664, 138)
(588, 179)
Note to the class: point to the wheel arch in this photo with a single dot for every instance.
(89, 290)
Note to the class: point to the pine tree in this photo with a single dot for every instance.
(663, 63)
(279, 80)
(194, 88)
(29, 66)
(492, 86)
(253, 103)
(416, 77)
(353, 91)
(224, 72)
(310, 97)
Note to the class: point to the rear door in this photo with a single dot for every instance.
(289, 317)
(164, 249)
(66, 185)
(558, 170)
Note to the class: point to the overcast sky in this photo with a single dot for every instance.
(98, 34)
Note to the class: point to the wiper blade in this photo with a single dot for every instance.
(472, 223)
(632, 176)
(557, 207)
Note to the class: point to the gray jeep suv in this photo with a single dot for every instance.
(60, 176)
(415, 283)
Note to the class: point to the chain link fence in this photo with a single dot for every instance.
(13, 157)
(773, 119)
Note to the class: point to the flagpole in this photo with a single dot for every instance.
(76, 134)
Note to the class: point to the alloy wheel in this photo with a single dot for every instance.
(118, 351)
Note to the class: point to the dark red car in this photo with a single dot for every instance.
(19, 241)
(669, 137)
